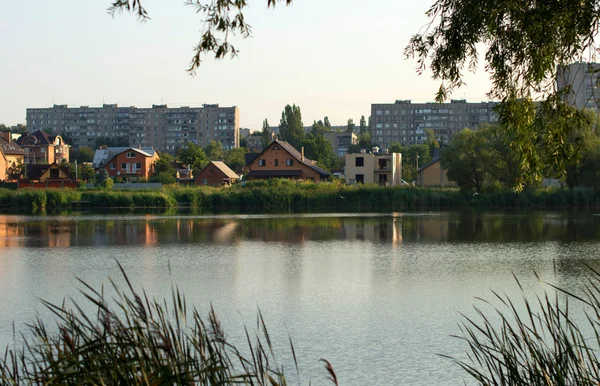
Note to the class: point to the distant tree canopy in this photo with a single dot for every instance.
(193, 156)
(291, 128)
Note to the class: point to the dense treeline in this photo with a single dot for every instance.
(284, 194)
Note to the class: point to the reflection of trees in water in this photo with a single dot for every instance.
(436, 227)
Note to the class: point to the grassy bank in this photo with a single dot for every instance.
(283, 194)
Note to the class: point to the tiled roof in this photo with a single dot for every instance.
(275, 173)
(35, 171)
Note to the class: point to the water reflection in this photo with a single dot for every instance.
(397, 228)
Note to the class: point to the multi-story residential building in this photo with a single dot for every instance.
(44, 148)
(374, 168)
(580, 83)
(167, 129)
(405, 122)
(340, 141)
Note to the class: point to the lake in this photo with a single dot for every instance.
(377, 294)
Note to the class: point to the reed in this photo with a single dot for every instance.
(135, 340)
(547, 344)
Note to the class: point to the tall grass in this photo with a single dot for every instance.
(135, 340)
(287, 194)
(547, 344)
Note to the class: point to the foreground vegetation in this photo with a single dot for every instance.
(135, 340)
(284, 194)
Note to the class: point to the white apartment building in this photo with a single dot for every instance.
(166, 129)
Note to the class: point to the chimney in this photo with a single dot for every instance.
(302, 152)
(6, 135)
(140, 147)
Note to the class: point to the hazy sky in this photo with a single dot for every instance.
(330, 57)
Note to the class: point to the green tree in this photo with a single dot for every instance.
(291, 127)
(525, 43)
(85, 172)
(327, 124)
(431, 140)
(412, 156)
(363, 125)
(214, 150)
(193, 156)
(465, 159)
(265, 134)
(164, 172)
(317, 148)
(84, 154)
(350, 126)
(235, 158)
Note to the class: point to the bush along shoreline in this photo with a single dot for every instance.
(284, 194)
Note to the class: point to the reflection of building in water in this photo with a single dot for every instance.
(389, 230)
(10, 234)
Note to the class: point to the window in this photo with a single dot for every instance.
(123, 166)
(113, 166)
(54, 173)
(359, 161)
(138, 165)
(360, 178)
(130, 154)
(289, 162)
(276, 162)
(262, 162)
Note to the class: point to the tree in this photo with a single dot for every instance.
(410, 160)
(350, 126)
(214, 150)
(235, 158)
(319, 149)
(525, 43)
(466, 158)
(85, 172)
(327, 124)
(432, 140)
(164, 172)
(84, 154)
(265, 134)
(363, 125)
(291, 127)
(221, 19)
(192, 156)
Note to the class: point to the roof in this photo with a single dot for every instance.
(250, 157)
(38, 138)
(297, 155)
(429, 164)
(35, 171)
(103, 156)
(11, 148)
(224, 169)
(275, 173)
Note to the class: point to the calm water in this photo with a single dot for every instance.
(376, 294)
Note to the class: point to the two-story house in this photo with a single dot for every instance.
(374, 168)
(126, 162)
(43, 148)
(282, 160)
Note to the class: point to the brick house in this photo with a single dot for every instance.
(43, 148)
(216, 173)
(42, 176)
(282, 160)
(126, 162)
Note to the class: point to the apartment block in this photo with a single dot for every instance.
(405, 122)
(579, 81)
(341, 141)
(167, 129)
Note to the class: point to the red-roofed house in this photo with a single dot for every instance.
(281, 160)
(126, 162)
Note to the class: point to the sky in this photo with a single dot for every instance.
(330, 57)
